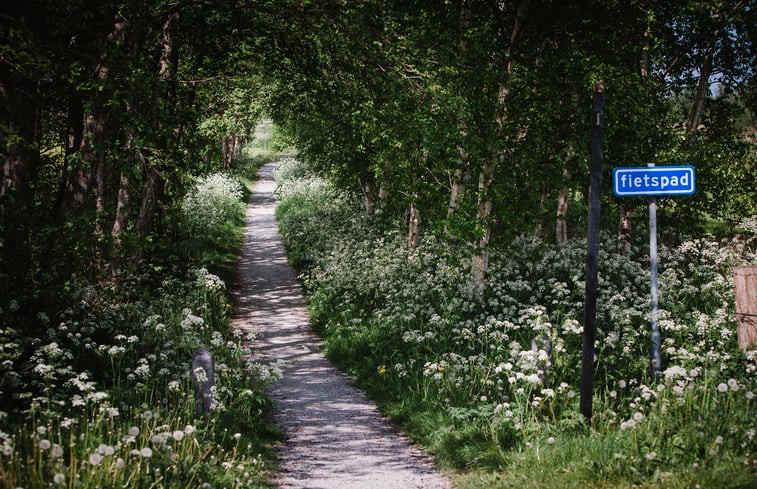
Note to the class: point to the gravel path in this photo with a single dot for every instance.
(335, 436)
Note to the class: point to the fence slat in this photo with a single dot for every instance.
(745, 283)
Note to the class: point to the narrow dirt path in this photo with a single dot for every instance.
(336, 438)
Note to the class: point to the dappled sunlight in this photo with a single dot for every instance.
(335, 436)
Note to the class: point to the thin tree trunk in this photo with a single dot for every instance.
(459, 181)
(414, 228)
(561, 226)
(153, 180)
(383, 196)
(369, 199)
(150, 192)
(19, 138)
(87, 139)
(697, 107)
(99, 172)
(462, 173)
(480, 262)
(624, 229)
(122, 210)
(705, 71)
(226, 152)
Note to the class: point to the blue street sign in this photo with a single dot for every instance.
(653, 181)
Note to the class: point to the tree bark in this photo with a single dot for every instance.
(369, 198)
(150, 192)
(19, 135)
(153, 180)
(414, 228)
(122, 210)
(459, 181)
(624, 229)
(703, 88)
(561, 226)
(462, 173)
(480, 262)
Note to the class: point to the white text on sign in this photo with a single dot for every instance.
(654, 181)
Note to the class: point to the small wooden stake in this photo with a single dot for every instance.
(745, 283)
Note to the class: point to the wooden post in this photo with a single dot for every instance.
(745, 283)
(592, 253)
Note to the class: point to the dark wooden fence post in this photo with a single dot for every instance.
(592, 254)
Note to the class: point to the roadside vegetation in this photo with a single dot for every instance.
(437, 215)
(97, 385)
(467, 373)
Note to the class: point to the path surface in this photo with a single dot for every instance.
(335, 436)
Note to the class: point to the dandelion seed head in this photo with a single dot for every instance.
(95, 459)
(57, 451)
(59, 478)
(146, 452)
(44, 444)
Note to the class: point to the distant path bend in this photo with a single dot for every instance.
(336, 438)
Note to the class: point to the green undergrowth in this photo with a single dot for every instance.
(95, 382)
(487, 379)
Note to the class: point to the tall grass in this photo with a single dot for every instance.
(469, 375)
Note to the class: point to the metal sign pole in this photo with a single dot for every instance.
(654, 350)
(653, 182)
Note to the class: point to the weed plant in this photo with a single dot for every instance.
(488, 379)
(97, 392)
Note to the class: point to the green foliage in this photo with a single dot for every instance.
(96, 388)
(211, 216)
(462, 374)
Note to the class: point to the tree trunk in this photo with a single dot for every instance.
(383, 196)
(480, 264)
(697, 107)
(226, 152)
(462, 173)
(414, 228)
(153, 180)
(624, 229)
(561, 226)
(19, 142)
(122, 210)
(369, 199)
(150, 192)
(459, 181)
